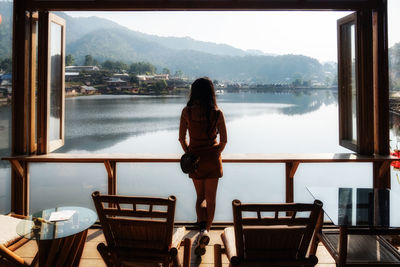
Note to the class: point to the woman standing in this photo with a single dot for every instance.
(205, 121)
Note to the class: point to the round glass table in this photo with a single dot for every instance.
(60, 233)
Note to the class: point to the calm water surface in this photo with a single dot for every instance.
(256, 123)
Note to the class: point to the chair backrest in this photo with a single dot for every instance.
(139, 223)
(274, 231)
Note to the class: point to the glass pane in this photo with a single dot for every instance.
(353, 85)
(266, 182)
(330, 175)
(55, 82)
(65, 184)
(6, 11)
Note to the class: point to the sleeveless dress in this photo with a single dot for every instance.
(202, 144)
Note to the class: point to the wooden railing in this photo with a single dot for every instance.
(21, 164)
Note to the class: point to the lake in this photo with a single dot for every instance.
(301, 122)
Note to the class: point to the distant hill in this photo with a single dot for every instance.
(81, 26)
(107, 40)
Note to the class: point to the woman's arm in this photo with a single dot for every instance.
(222, 132)
(183, 126)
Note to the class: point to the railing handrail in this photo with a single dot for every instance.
(227, 158)
(291, 160)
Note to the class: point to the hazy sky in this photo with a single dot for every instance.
(308, 33)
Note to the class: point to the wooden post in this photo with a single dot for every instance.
(343, 237)
(381, 173)
(20, 103)
(291, 168)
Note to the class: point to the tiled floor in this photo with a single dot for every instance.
(91, 257)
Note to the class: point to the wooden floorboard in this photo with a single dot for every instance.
(91, 257)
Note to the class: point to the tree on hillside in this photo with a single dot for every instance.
(120, 66)
(115, 66)
(90, 61)
(166, 71)
(142, 68)
(69, 60)
(178, 74)
(107, 65)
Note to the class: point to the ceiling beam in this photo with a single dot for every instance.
(200, 5)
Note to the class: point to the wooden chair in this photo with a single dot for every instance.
(10, 241)
(275, 236)
(140, 229)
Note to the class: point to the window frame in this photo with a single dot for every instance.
(364, 73)
(344, 78)
(45, 145)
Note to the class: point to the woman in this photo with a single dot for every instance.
(205, 121)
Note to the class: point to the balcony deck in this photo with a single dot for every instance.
(91, 257)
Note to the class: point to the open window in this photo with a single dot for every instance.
(51, 91)
(355, 82)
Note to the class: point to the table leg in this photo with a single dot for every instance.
(343, 237)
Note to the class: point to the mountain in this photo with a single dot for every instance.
(107, 40)
(122, 44)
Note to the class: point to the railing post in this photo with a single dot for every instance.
(111, 167)
(291, 168)
(20, 187)
(381, 174)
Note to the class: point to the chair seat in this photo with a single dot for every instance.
(8, 233)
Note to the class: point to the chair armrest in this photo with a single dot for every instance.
(18, 244)
(177, 237)
(11, 256)
(228, 238)
(18, 216)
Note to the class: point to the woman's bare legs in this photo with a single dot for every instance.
(206, 189)
(200, 192)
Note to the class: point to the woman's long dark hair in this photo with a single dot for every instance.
(202, 93)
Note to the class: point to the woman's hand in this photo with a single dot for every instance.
(221, 147)
(184, 145)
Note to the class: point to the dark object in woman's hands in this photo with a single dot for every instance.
(189, 162)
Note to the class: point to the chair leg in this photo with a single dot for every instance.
(176, 262)
(217, 255)
(315, 240)
(187, 252)
(107, 255)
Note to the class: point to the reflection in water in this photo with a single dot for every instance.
(55, 82)
(99, 122)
